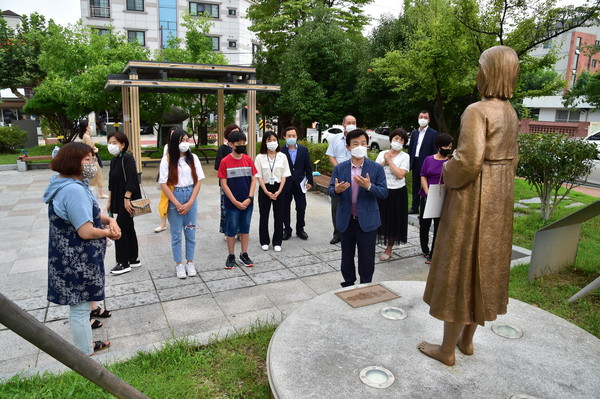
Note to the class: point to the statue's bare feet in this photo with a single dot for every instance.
(465, 346)
(435, 351)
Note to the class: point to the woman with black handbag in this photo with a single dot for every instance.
(123, 186)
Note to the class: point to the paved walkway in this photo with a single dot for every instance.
(150, 304)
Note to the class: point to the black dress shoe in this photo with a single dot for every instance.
(286, 236)
(413, 211)
(302, 234)
(335, 240)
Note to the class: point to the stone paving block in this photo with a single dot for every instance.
(222, 273)
(244, 321)
(283, 292)
(160, 273)
(13, 346)
(38, 314)
(264, 267)
(301, 261)
(229, 283)
(275, 275)
(408, 252)
(29, 265)
(309, 270)
(9, 254)
(190, 310)
(25, 285)
(17, 365)
(335, 265)
(534, 200)
(114, 290)
(185, 291)
(57, 313)
(330, 256)
(137, 274)
(323, 283)
(289, 251)
(242, 300)
(170, 282)
(132, 300)
(39, 302)
(131, 321)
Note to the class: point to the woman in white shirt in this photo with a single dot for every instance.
(180, 175)
(273, 168)
(394, 208)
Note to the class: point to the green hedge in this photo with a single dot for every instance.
(11, 138)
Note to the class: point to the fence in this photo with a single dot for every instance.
(571, 129)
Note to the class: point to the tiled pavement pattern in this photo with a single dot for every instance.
(150, 304)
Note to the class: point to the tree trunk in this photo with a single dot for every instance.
(438, 115)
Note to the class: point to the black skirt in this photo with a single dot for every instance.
(394, 217)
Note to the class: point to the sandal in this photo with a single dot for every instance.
(428, 261)
(99, 312)
(96, 324)
(101, 345)
(384, 257)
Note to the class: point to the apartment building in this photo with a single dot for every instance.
(152, 22)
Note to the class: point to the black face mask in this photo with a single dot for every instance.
(240, 149)
(444, 152)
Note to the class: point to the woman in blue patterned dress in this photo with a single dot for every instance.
(77, 241)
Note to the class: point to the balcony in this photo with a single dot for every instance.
(99, 12)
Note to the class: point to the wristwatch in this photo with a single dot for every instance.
(251, 198)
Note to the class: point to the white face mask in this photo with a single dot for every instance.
(423, 122)
(114, 149)
(272, 145)
(350, 128)
(359, 152)
(184, 146)
(396, 146)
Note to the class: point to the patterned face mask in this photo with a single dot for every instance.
(90, 170)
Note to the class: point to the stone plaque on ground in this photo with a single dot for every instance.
(364, 296)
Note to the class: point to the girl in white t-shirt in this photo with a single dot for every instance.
(394, 208)
(180, 175)
(273, 168)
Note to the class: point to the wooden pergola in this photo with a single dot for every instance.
(166, 77)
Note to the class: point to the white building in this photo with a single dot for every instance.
(151, 22)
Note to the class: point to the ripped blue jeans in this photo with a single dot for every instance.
(183, 223)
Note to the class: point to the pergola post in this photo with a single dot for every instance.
(220, 116)
(134, 113)
(125, 109)
(252, 120)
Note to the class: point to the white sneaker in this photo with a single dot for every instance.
(190, 269)
(180, 268)
(277, 248)
(265, 247)
(159, 229)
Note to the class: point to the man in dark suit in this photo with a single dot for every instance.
(299, 161)
(422, 145)
(358, 183)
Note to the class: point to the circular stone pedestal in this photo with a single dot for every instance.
(320, 349)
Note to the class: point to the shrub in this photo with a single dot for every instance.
(11, 139)
(317, 151)
(548, 161)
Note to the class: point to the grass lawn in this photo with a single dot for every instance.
(235, 367)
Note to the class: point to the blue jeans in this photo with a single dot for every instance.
(238, 221)
(185, 223)
(79, 319)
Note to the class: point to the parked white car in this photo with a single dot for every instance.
(594, 176)
(595, 138)
(379, 138)
(313, 134)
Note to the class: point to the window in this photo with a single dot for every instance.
(567, 116)
(215, 42)
(594, 63)
(547, 44)
(137, 35)
(135, 5)
(100, 8)
(100, 31)
(578, 43)
(575, 61)
(232, 11)
(232, 44)
(212, 10)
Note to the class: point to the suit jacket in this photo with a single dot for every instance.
(427, 147)
(301, 168)
(366, 203)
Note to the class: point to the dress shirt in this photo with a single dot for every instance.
(337, 148)
(355, 171)
(420, 140)
(293, 153)
(277, 168)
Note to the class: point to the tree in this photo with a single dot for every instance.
(550, 161)
(319, 71)
(438, 62)
(76, 62)
(19, 52)
(586, 88)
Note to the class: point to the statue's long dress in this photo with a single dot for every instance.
(469, 274)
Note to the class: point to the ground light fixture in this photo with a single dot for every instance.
(376, 377)
(393, 313)
(507, 331)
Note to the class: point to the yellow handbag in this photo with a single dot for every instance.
(163, 203)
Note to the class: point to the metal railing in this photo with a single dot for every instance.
(99, 12)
